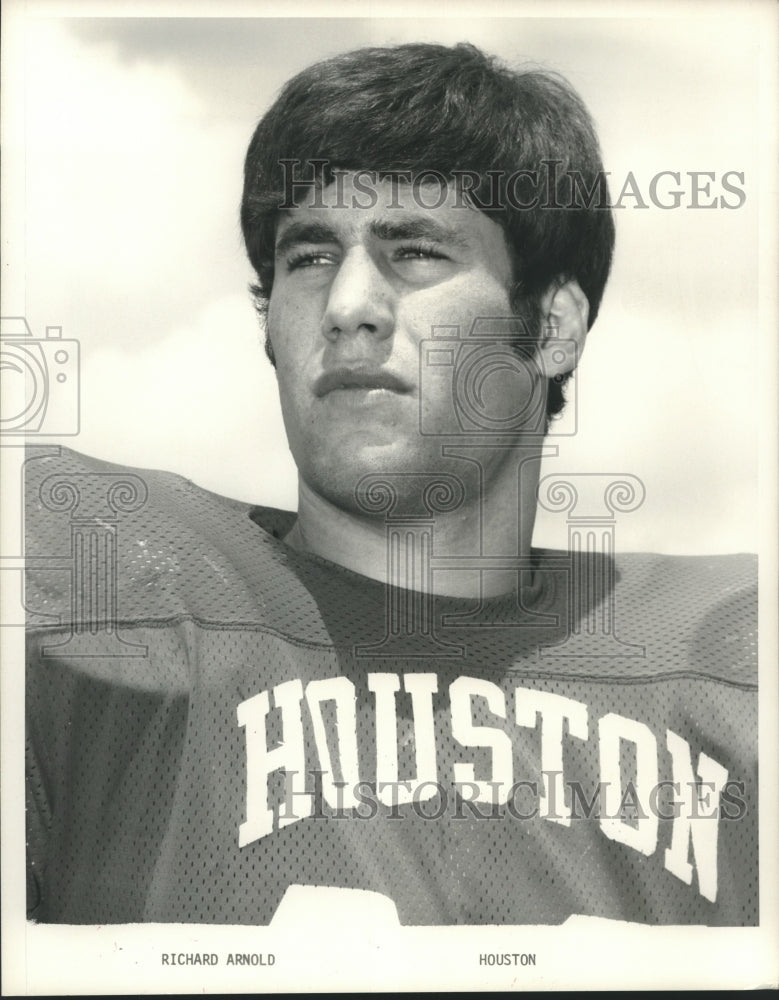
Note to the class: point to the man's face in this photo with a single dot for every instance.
(356, 291)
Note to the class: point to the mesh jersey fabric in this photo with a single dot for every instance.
(183, 662)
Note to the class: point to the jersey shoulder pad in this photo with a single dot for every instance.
(143, 545)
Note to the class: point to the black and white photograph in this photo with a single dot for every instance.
(389, 493)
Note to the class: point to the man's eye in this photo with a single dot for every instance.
(419, 251)
(308, 258)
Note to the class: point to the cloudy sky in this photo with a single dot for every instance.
(134, 135)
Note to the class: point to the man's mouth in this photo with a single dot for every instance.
(359, 378)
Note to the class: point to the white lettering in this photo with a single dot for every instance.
(698, 819)
(553, 709)
(496, 790)
(261, 762)
(341, 691)
(421, 687)
(613, 729)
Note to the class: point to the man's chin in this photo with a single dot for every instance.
(348, 467)
(350, 479)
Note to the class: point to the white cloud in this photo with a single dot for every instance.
(201, 402)
(131, 193)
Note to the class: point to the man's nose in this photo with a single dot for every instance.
(360, 299)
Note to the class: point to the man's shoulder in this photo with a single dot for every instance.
(656, 578)
(681, 577)
(696, 587)
(89, 495)
(656, 616)
(698, 611)
(173, 548)
(62, 479)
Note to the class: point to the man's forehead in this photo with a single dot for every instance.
(388, 209)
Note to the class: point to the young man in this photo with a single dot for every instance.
(393, 691)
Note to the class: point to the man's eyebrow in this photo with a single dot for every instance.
(409, 228)
(418, 228)
(304, 232)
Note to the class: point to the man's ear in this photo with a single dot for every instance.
(564, 315)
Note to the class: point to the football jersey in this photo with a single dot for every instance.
(214, 717)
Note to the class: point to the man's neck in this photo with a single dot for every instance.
(398, 549)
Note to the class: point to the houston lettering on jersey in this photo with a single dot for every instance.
(638, 778)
